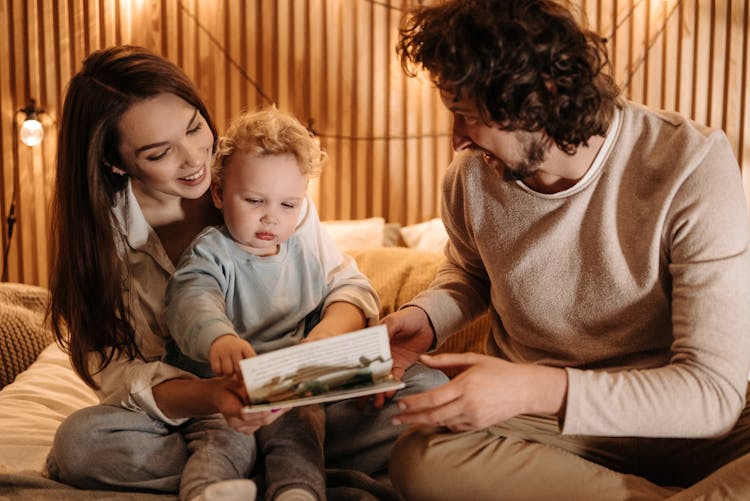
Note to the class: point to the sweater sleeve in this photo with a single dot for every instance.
(195, 308)
(460, 291)
(701, 391)
(344, 281)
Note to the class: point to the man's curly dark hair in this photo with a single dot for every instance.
(526, 64)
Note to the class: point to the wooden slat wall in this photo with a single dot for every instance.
(332, 64)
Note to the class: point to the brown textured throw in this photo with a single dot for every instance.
(22, 332)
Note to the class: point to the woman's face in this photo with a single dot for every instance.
(165, 147)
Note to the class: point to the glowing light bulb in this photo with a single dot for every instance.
(32, 132)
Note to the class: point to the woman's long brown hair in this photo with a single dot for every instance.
(88, 308)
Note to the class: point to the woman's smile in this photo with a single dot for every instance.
(196, 177)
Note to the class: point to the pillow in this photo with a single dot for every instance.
(400, 273)
(356, 233)
(22, 331)
(392, 235)
(397, 273)
(428, 236)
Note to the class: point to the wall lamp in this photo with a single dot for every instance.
(32, 130)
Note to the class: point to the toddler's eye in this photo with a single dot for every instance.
(288, 205)
(254, 201)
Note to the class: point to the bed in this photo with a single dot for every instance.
(38, 387)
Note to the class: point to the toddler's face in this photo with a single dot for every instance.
(261, 197)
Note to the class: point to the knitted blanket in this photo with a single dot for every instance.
(22, 332)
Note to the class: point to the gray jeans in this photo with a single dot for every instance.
(292, 452)
(107, 447)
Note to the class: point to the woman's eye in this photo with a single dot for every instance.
(158, 156)
(196, 128)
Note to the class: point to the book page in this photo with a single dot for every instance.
(345, 366)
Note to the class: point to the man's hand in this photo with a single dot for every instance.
(226, 352)
(411, 335)
(488, 391)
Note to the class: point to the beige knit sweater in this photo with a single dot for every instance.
(637, 279)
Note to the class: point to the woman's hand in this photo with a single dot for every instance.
(249, 422)
(185, 398)
(232, 402)
(488, 391)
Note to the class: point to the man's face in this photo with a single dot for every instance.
(519, 152)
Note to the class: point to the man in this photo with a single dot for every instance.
(610, 244)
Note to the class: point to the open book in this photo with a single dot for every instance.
(346, 366)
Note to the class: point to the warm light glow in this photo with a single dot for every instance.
(32, 132)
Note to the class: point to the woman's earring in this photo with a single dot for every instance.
(114, 169)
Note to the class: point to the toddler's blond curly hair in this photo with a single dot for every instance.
(269, 132)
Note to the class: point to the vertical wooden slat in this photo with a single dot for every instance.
(670, 57)
(282, 37)
(719, 48)
(332, 61)
(396, 128)
(348, 81)
(744, 131)
(7, 118)
(233, 39)
(362, 110)
(732, 88)
(314, 53)
(701, 62)
(378, 103)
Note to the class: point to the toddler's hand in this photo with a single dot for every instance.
(225, 354)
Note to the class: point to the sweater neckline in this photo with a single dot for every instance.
(596, 165)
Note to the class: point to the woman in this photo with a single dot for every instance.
(131, 193)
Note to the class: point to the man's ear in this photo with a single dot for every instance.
(216, 195)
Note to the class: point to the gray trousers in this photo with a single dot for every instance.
(108, 447)
(292, 452)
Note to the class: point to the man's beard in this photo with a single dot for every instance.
(534, 152)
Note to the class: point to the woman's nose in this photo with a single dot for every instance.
(194, 157)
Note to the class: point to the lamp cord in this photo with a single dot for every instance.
(11, 220)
